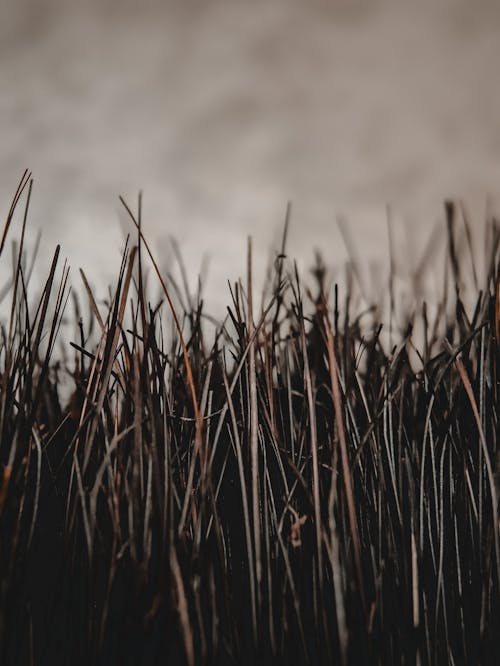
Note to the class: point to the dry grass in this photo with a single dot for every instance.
(296, 492)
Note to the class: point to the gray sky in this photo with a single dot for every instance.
(223, 111)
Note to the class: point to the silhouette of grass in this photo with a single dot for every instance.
(298, 491)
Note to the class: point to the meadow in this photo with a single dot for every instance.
(311, 480)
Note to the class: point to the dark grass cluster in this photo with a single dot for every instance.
(298, 490)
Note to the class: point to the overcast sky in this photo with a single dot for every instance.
(223, 111)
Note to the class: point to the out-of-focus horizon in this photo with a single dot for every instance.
(221, 112)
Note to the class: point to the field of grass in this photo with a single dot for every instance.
(297, 488)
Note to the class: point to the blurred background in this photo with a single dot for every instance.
(223, 111)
